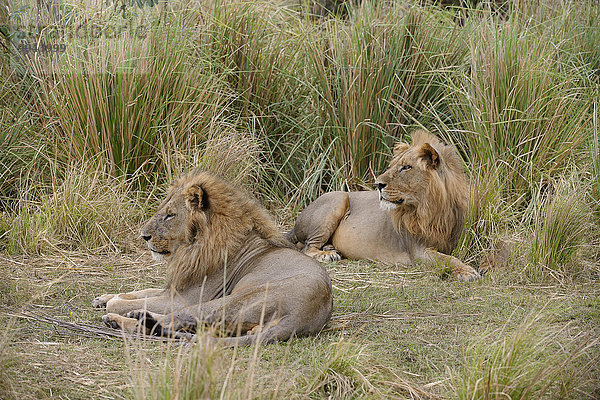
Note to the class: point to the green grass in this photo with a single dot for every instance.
(22, 149)
(86, 209)
(394, 333)
(376, 75)
(524, 364)
(289, 107)
(523, 117)
(560, 227)
(123, 101)
(594, 168)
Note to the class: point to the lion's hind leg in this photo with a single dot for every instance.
(276, 330)
(164, 325)
(272, 331)
(317, 223)
(147, 323)
(117, 321)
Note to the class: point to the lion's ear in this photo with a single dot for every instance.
(195, 198)
(400, 148)
(431, 157)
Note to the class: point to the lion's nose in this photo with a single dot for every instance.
(380, 185)
(146, 238)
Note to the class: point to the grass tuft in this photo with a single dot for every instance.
(561, 223)
(227, 151)
(524, 364)
(374, 77)
(89, 210)
(185, 372)
(117, 100)
(338, 377)
(521, 122)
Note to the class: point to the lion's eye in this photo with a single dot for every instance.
(169, 216)
(404, 168)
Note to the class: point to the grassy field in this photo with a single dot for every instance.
(290, 105)
(394, 334)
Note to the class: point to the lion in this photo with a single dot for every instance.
(417, 212)
(228, 266)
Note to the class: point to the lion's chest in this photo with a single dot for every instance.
(367, 233)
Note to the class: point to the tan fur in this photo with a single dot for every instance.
(214, 237)
(418, 214)
(227, 264)
(439, 218)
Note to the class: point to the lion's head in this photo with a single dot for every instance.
(426, 190)
(203, 222)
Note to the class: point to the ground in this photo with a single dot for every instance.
(393, 332)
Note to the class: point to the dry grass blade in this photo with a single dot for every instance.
(524, 364)
(86, 330)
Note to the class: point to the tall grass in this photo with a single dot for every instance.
(573, 28)
(522, 119)
(376, 75)
(229, 152)
(524, 364)
(121, 98)
(22, 147)
(261, 49)
(296, 106)
(185, 372)
(594, 149)
(84, 209)
(261, 61)
(518, 111)
(560, 227)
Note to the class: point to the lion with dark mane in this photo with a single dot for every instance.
(228, 265)
(416, 214)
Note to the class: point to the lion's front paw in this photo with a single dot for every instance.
(147, 320)
(100, 302)
(467, 275)
(154, 326)
(328, 254)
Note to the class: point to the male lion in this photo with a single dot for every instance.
(417, 213)
(228, 265)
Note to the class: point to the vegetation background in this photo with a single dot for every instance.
(289, 100)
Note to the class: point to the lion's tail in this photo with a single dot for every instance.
(293, 239)
(291, 236)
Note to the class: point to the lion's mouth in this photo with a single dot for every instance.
(161, 252)
(397, 202)
(159, 256)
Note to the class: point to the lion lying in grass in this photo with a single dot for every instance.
(228, 265)
(417, 213)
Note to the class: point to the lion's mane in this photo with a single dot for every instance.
(439, 219)
(221, 221)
